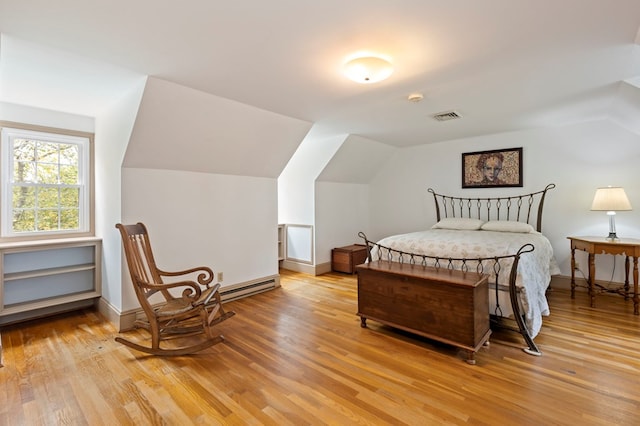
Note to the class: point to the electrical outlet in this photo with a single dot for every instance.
(577, 268)
(220, 276)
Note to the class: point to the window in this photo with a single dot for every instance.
(46, 189)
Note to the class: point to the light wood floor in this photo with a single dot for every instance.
(297, 355)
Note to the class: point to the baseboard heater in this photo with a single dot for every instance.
(246, 289)
(227, 294)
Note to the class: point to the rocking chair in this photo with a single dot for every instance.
(194, 311)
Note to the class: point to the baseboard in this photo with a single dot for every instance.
(298, 267)
(319, 269)
(122, 321)
(560, 282)
(323, 268)
(563, 282)
(46, 311)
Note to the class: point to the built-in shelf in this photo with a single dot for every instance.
(281, 242)
(45, 277)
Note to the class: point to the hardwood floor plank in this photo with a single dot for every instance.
(297, 355)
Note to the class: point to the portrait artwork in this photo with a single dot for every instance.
(497, 168)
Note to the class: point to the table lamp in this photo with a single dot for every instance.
(611, 199)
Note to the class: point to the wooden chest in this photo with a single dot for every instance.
(345, 259)
(444, 305)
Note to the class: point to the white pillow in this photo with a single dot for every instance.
(459, 223)
(508, 226)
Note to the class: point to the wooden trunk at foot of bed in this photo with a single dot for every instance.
(449, 306)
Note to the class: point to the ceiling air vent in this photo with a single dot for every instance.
(446, 116)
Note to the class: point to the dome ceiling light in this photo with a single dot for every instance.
(368, 69)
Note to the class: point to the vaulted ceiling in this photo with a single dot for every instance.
(503, 65)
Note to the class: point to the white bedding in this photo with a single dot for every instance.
(534, 269)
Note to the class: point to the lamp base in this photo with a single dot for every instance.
(612, 226)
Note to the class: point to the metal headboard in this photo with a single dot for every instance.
(517, 207)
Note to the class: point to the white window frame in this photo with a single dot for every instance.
(10, 131)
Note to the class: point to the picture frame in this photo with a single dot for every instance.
(497, 168)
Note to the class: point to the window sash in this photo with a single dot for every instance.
(49, 219)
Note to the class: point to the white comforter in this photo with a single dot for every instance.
(534, 269)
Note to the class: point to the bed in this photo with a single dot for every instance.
(497, 236)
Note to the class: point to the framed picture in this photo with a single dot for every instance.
(489, 169)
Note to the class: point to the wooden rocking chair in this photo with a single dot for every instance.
(192, 309)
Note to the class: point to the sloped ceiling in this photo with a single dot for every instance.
(503, 65)
(626, 109)
(36, 75)
(185, 129)
(357, 161)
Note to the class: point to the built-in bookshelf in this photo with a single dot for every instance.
(281, 242)
(45, 277)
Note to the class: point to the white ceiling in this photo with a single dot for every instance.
(502, 64)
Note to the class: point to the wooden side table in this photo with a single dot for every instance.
(629, 247)
(345, 259)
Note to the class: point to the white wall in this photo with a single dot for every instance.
(44, 117)
(113, 130)
(577, 158)
(226, 222)
(342, 210)
(296, 199)
(342, 194)
(296, 183)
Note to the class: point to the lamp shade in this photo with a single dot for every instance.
(611, 198)
(368, 69)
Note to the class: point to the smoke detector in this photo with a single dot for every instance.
(446, 116)
(415, 97)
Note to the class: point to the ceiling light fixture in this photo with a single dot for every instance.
(368, 69)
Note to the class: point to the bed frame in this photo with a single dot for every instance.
(517, 207)
(525, 208)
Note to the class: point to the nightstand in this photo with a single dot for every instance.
(629, 247)
(345, 259)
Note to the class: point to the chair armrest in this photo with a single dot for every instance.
(205, 275)
(207, 295)
(192, 290)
